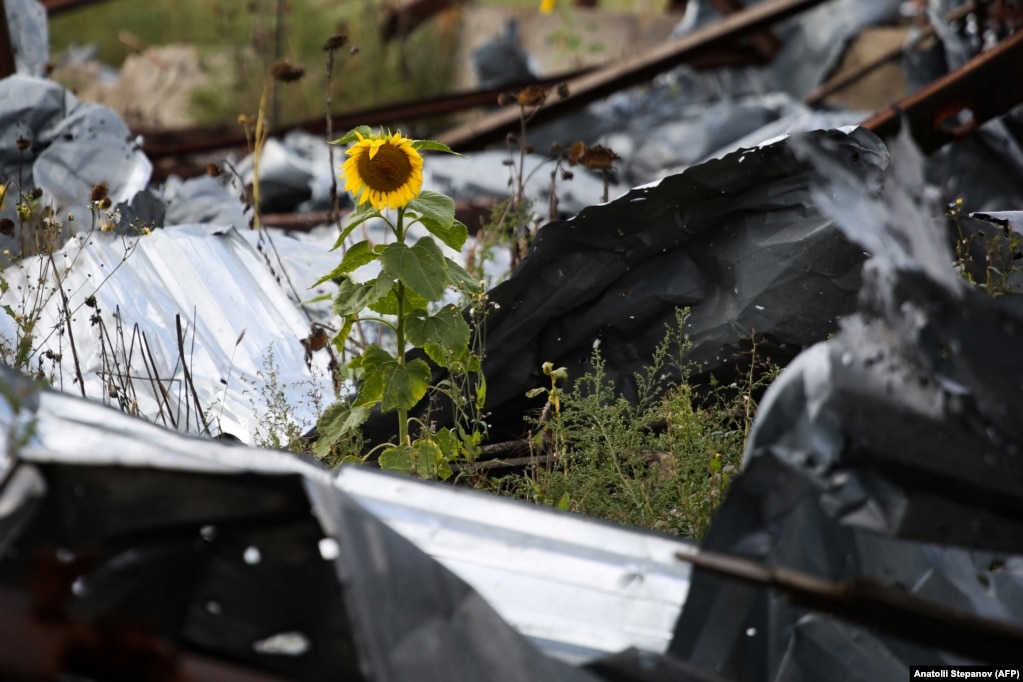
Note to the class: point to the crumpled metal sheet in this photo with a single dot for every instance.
(265, 559)
(738, 240)
(889, 453)
(29, 35)
(73, 146)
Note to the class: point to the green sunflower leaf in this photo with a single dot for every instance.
(433, 146)
(456, 276)
(353, 297)
(337, 420)
(361, 214)
(396, 458)
(351, 136)
(420, 267)
(446, 328)
(430, 460)
(437, 213)
(354, 258)
(388, 305)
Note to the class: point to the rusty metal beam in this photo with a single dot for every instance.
(954, 106)
(168, 143)
(609, 79)
(840, 81)
(881, 608)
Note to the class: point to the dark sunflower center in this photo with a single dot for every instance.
(388, 170)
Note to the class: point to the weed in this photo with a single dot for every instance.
(663, 462)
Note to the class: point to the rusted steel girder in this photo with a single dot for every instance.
(609, 79)
(821, 92)
(160, 144)
(954, 106)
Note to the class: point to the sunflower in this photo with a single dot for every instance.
(385, 169)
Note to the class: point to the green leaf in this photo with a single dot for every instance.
(429, 458)
(336, 421)
(395, 385)
(388, 305)
(446, 328)
(353, 297)
(351, 137)
(481, 393)
(357, 256)
(361, 214)
(460, 279)
(397, 458)
(420, 268)
(565, 503)
(405, 385)
(533, 392)
(437, 213)
(433, 146)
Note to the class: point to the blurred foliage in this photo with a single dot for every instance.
(242, 38)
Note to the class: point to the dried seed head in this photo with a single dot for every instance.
(335, 42)
(213, 170)
(598, 157)
(99, 191)
(35, 193)
(529, 149)
(576, 151)
(532, 96)
(105, 203)
(555, 149)
(504, 99)
(6, 227)
(567, 174)
(286, 72)
(562, 90)
(22, 143)
(510, 139)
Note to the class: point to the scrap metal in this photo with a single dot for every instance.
(602, 82)
(956, 105)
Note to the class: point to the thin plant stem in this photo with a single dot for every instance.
(399, 330)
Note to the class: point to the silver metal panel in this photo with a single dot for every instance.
(578, 587)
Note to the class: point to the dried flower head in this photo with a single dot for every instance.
(6, 227)
(576, 151)
(22, 143)
(562, 90)
(213, 170)
(531, 96)
(335, 42)
(99, 191)
(598, 157)
(505, 99)
(286, 72)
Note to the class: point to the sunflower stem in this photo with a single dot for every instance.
(399, 331)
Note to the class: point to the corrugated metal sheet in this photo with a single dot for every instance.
(233, 312)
